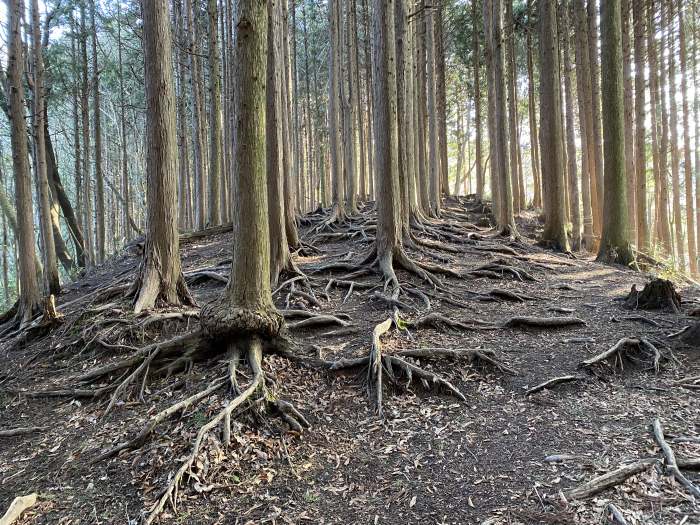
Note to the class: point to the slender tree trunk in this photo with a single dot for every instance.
(506, 219)
(348, 109)
(370, 102)
(160, 281)
(588, 168)
(334, 111)
(643, 240)
(615, 244)
(687, 156)
(279, 249)
(401, 103)
(534, 137)
(476, 66)
(696, 82)
(432, 117)
(593, 55)
(215, 124)
(51, 279)
(97, 126)
(310, 135)
(125, 184)
(675, 157)
(663, 204)
(29, 297)
(422, 113)
(626, 10)
(514, 143)
(88, 218)
(441, 94)
(567, 70)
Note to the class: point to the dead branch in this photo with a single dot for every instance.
(608, 480)
(20, 431)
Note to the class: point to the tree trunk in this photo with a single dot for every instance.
(615, 244)
(433, 138)
(643, 240)
(593, 56)
(476, 66)
(506, 220)
(626, 11)
(88, 218)
(441, 94)
(125, 184)
(246, 307)
(280, 258)
(588, 167)
(551, 133)
(161, 281)
(675, 157)
(511, 78)
(348, 109)
(215, 132)
(334, 111)
(97, 118)
(567, 71)
(51, 279)
(29, 297)
(687, 162)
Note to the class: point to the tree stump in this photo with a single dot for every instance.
(659, 294)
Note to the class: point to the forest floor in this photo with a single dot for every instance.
(500, 457)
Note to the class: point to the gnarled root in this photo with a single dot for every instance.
(628, 350)
(441, 322)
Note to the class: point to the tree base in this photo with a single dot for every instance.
(659, 294)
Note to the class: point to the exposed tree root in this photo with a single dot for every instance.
(441, 322)
(498, 269)
(21, 431)
(551, 383)
(311, 319)
(670, 463)
(542, 322)
(628, 350)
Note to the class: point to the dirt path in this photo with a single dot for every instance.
(434, 459)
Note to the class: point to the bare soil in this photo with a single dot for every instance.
(432, 459)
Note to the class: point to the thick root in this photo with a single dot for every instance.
(631, 351)
(543, 322)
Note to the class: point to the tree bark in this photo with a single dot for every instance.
(215, 124)
(615, 244)
(334, 111)
(687, 156)
(476, 66)
(593, 56)
(551, 133)
(441, 94)
(432, 117)
(626, 11)
(643, 240)
(51, 278)
(29, 297)
(161, 281)
(97, 126)
(246, 308)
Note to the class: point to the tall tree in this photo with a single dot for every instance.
(100, 210)
(626, 7)
(551, 133)
(687, 155)
(615, 243)
(476, 66)
(500, 161)
(160, 281)
(51, 278)
(215, 115)
(334, 111)
(29, 297)
(643, 241)
(245, 310)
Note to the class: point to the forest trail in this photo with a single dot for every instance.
(500, 457)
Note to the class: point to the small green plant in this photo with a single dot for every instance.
(310, 497)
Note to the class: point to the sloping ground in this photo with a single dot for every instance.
(432, 459)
